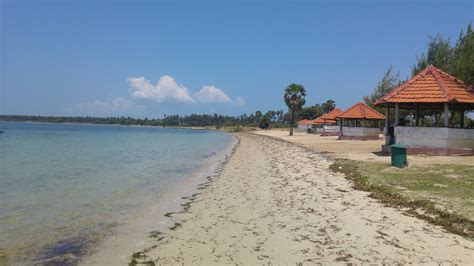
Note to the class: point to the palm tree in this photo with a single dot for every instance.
(294, 99)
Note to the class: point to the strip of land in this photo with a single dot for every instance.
(369, 150)
(278, 202)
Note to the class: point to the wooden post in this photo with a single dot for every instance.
(396, 114)
(387, 119)
(417, 115)
(461, 122)
(446, 115)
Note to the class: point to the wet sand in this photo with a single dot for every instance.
(275, 202)
(141, 232)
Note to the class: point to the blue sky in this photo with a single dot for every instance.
(150, 58)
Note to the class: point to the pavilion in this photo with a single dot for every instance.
(303, 125)
(431, 91)
(327, 123)
(360, 122)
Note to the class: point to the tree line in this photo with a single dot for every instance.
(274, 118)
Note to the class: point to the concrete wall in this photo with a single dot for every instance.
(318, 129)
(331, 129)
(303, 128)
(435, 137)
(361, 131)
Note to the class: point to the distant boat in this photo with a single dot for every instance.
(1, 131)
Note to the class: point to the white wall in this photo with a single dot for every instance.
(331, 129)
(435, 137)
(303, 128)
(318, 129)
(361, 131)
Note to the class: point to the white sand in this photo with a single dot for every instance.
(275, 202)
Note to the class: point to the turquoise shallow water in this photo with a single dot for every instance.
(63, 185)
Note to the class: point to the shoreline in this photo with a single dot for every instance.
(276, 201)
(123, 199)
(139, 232)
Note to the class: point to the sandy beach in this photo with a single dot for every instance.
(276, 202)
(368, 150)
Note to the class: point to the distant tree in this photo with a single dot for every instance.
(258, 115)
(463, 57)
(264, 122)
(440, 54)
(310, 112)
(271, 115)
(281, 116)
(295, 99)
(457, 60)
(389, 82)
(328, 106)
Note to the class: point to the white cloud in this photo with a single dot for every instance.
(239, 101)
(212, 94)
(116, 106)
(166, 89)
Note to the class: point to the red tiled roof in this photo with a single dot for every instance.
(361, 111)
(317, 121)
(303, 122)
(328, 118)
(430, 86)
(331, 116)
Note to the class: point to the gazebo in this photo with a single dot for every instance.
(360, 122)
(327, 123)
(303, 125)
(435, 91)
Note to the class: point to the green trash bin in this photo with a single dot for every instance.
(399, 155)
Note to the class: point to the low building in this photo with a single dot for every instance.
(445, 96)
(360, 122)
(304, 126)
(329, 123)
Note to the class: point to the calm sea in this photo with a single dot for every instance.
(64, 186)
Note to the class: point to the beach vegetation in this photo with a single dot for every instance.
(440, 194)
(264, 122)
(175, 226)
(295, 99)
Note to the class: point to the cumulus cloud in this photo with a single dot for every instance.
(116, 106)
(212, 94)
(239, 101)
(168, 89)
(165, 89)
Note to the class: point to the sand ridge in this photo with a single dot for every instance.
(275, 202)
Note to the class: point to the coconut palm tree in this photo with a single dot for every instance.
(294, 99)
